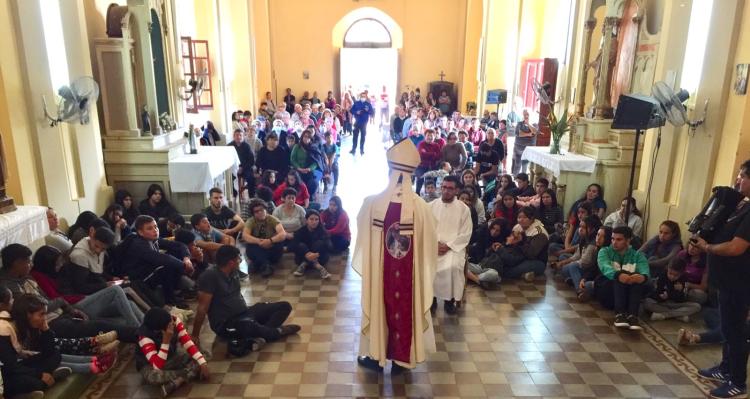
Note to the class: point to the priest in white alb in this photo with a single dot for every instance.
(453, 234)
(396, 253)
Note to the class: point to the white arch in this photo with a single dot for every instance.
(339, 30)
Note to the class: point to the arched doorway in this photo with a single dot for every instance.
(369, 61)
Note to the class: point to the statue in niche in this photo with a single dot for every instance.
(145, 122)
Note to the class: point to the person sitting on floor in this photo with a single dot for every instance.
(307, 159)
(336, 222)
(482, 269)
(587, 287)
(629, 271)
(129, 209)
(207, 237)
(273, 157)
(430, 191)
(87, 318)
(113, 216)
(523, 188)
(551, 214)
(160, 360)
(220, 298)
(568, 246)
(525, 252)
(696, 272)
(662, 248)
(197, 256)
(56, 237)
(635, 220)
(312, 246)
(293, 181)
(669, 299)
(507, 209)
(594, 195)
(289, 214)
(220, 216)
(156, 204)
(265, 236)
(584, 259)
(31, 364)
(535, 200)
(80, 228)
(141, 259)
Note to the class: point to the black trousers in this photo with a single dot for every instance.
(359, 129)
(262, 257)
(261, 320)
(17, 384)
(628, 297)
(734, 304)
(339, 243)
(168, 277)
(318, 246)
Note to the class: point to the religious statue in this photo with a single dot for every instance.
(396, 255)
(145, 122)
(6, 203)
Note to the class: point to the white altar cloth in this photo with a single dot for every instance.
(195, 173)
(556, 163)
(24, 225)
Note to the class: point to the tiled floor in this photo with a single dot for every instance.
(526, 339)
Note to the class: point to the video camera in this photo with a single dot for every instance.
(723, 202)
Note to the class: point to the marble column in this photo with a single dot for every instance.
(603, 105)
(584, 69)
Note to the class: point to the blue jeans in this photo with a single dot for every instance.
(111, 302)
(573, 272)
(524, 267)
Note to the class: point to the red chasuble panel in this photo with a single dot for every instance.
(398, 273)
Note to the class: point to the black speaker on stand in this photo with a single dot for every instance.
(636, 112)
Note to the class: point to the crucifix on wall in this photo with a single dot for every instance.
(442, 75)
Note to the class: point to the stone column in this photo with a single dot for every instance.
(603, 105)
(584, 68)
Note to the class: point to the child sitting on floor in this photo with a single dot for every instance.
(160, 361)
(669, 300)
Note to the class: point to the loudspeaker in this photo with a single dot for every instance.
(637, 112)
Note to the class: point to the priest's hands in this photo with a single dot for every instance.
(442, 248)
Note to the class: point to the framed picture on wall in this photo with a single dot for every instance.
(740, 82)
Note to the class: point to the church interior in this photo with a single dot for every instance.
(641, 99)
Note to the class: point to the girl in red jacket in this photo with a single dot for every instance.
(336, 222)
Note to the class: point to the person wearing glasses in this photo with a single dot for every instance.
(264, 235)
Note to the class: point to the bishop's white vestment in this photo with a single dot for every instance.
(396, 252)
(454, 229)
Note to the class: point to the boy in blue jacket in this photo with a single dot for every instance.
(628, 269)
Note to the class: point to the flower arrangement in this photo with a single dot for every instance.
(558, 128)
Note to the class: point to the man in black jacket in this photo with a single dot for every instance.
(143, 260)
(247, 160)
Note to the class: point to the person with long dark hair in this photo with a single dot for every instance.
(585, 256)
(594, 195)
(635, 220)
(309, 162)
(663, 247)
(23, 327)
(292, 180)
(507, 209)
(210, 135)
(156, 204)
(336, 222)
(129, 210)
(550, 214)
(312, 246)
(113, 215)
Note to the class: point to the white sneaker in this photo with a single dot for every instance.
(300, 270)
(324, 273)
(182, 314)
(657, 316)
(529, 277)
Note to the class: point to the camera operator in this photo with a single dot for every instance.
(729, 271)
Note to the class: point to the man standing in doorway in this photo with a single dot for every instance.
(362, 111)
(453, 232)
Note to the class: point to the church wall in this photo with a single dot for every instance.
(686, 163)
(15, 127)
(433, 40)
(58, 166)
(262, 41)
(236, 51)
(735, 137)
(502, 36)
(472, 51)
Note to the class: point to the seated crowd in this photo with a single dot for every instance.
(128, 276)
